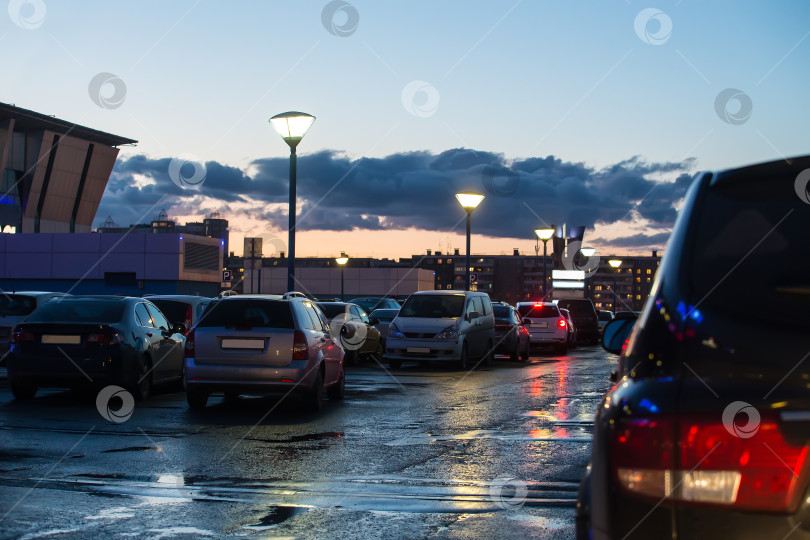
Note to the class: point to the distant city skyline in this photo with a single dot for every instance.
(595, 113)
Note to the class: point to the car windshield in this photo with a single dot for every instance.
(433, 306)
(16, 304)
(248, 313)
(752, 244)
(544, 311)
(333, 310)
(79, 311)
(605, 316)
(174, 310)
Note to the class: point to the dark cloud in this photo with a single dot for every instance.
(416, 189)
(658, 240)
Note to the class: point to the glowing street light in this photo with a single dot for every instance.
(469, 202)
(544, 235)
(615, 263)
(342, 260)
(292, 126)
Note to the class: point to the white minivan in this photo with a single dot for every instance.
(444, 326)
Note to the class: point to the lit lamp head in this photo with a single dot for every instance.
(469, 201)
(544, 234)
(343, 259)
(588, 251)
(615, 263)
(292, 126)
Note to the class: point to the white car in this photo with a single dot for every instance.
(546, 325)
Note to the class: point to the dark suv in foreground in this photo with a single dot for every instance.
(586, 321)
(707, 431)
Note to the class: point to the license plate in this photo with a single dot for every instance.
(52, 339)
(257, 344)
(541, 325)
(419, 350)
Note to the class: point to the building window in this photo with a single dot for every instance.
(648, 280)
(649, 271)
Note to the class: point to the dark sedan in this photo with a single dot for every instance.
(95, 340)
(355, 331)
(511, 337)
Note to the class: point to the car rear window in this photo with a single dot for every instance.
(16, 304)
(174, 310)
(333, 310)
(501, 312)
(578, 308)
(79, 311)
(433, 306)
(546, 311)
(250, 313)
(384, 315)
(605, 316)
(751, 246)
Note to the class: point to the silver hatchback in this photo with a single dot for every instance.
(254, 344)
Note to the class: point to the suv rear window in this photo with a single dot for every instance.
(578, 308)
(751, 246)
(79, 311)
(16, 304)
(174, 310)
(249, 313)
(333, 310)
(501, 312)
(546, 311)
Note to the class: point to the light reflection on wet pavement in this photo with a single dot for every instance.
(432, 453)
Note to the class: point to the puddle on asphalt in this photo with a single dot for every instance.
(329, 435)
(131, 449)
(276, 516)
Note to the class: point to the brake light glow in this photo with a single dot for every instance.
(710, 464)
(105, 339)
(188, 351)
(19, 337)
(561, 323)
(187, 320)
(299, 349)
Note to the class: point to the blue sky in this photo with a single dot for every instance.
(573, 80)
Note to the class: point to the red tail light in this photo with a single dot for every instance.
(561, 323)
(20, 337)
(300, 350)
(187, 320)
(188, 351)
(710, 464)
(105, 339)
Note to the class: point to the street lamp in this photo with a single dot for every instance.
(615, 263)
(588, 252)
(292, 126)
(544, 235)
(342, 260)
(468, 201)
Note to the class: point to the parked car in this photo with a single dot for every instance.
(707, 433)
(605, 317)
(511, 337)
(585, 318)
(78, 340)
(14, 308)
(572, 329)
(443, 326)
(354, 329)
(381, 319)
(180, 308)
(256, 344)
(546, 325)
(371, 303)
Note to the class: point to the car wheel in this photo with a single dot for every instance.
(143, 386)
(394, 364)
(197, 399)
(315, 397)
(23, 391)
(463, 360)
(338, 390)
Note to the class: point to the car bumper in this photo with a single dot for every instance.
(47, 371)
(422, 349)
(298, 376)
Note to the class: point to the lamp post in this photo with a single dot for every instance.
(615, 263)
(468, 201)
(292, 126)
(588, 252)
(544, 235)
(342, 260)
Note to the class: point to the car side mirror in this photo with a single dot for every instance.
(616, 334)
(347, 331)
(473, 315)
(180, 328)
(527, 322)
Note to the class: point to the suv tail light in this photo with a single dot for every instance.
(695, 459)
(300, 350)
(561, 323)
(20, 337)
(187, 319)
(188, 350)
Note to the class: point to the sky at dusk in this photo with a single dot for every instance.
(595, 113)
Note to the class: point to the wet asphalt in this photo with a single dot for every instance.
(425, 451)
